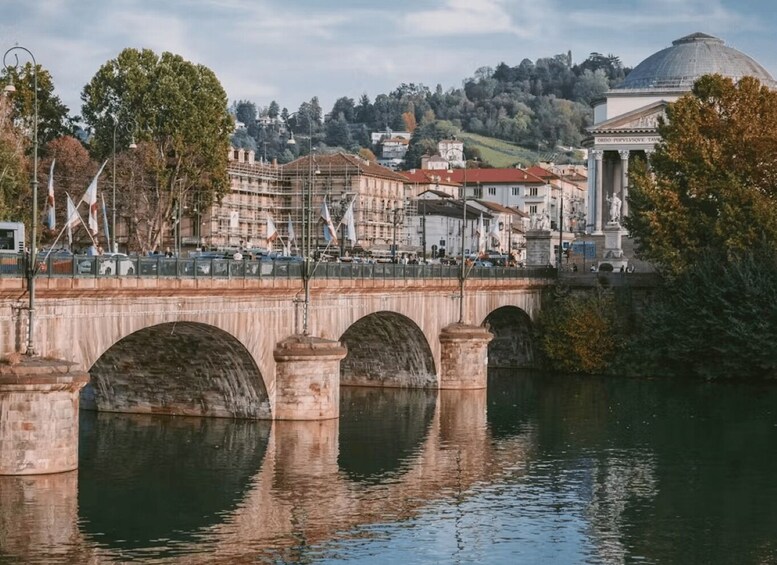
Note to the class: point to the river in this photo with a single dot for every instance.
(535, 470)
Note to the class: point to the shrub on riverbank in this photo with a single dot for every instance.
(579, 333)
(717, 320)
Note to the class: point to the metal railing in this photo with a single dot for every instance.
(81, 266)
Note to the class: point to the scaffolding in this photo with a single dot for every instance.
(261, 192)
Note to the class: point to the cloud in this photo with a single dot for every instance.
(465, 17)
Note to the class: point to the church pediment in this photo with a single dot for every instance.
(641, 119)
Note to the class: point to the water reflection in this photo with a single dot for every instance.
(147, 480)
(39, 519)
(369, 452)
(537, 469)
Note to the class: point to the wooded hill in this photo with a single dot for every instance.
(535, 107)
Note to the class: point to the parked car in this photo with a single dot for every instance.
(483, 264)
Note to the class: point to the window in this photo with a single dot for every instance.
(533, 191)
(533, 209)
(516, 191)
(492, 191)
(478, 192)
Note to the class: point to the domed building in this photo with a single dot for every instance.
(626, 119)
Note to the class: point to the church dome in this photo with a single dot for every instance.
(690, 57)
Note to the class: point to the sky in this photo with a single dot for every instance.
(292, 50)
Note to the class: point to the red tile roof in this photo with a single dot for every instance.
(341, 163)
(495, 176)
(427, 176)
(538, 171)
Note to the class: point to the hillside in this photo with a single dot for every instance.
(499, 153)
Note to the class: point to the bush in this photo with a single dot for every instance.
(717, 320)
(579, 333)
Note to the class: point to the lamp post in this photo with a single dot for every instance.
(560, 227)
(397, 217)
(128, 127)
(307, 204)
(31, 266)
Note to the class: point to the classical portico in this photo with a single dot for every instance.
(614, 143)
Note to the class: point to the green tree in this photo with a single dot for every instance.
(338, 134)
(181, 112)
(715, 321)
(712, 185)
(273, 110)
(344, 106)
(53, 116)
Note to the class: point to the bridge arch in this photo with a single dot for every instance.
(183, 368)
(513, 343)
(387, 349)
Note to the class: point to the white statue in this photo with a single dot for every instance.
(545, 221)
(615, 208)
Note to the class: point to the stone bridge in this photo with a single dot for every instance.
(232, 347)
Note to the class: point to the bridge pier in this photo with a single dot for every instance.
(39, 416)
(307, 377)
(464, 356)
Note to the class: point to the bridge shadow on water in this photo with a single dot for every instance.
(370, 452)
(145, 478)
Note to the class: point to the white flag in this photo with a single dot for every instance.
(330, 233)
(73, 219)
(90, 197)
(272, 233)
(52, 218)
(494, 233)
(291, 237)
(481, 233)
(350, 224)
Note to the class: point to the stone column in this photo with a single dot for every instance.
(624, 153)
(591, 194)
(307, 378)
(464, 356)
(598, 154)
(39, 416)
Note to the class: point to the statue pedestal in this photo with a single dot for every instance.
(538, 248)
(613, 251)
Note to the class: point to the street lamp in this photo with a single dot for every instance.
(31, 266)
(463, 272)
(398, 216)
(307, 205)
(128, 127)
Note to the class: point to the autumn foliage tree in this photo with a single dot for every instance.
(73, 171)
(580, 333)
(14, 179)
(712, 182)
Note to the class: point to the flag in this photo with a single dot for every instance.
(481, 233)
(494, 233)
(52, 218)
(350, 224)
(330, 233)
(292, 236)
(272, 233)
(73, 219)
(90, 197)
